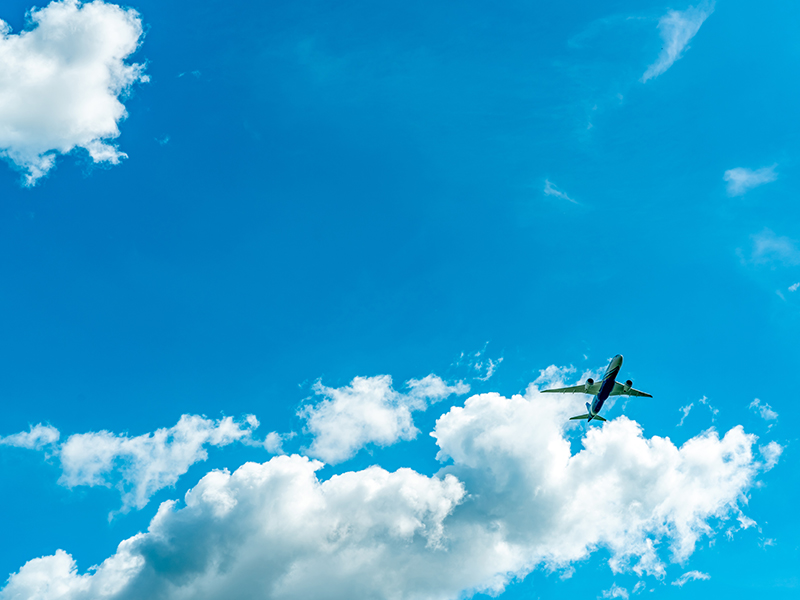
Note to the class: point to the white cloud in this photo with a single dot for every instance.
(483, 366)
(616, 592)
(677, 29)
(690, 576)
(740, 180)
(142, 465)
(685, 410)
(794, 286)
(61, 83)
(513, 498)
(770, 248)
(37, 438)
(771, 453)
(551, 190)
(714, 411)
(368, 411)
(764, 410)
(638, 588)
(274, 441)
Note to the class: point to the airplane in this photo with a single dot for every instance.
(601, 390)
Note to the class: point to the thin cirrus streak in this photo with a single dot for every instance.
(677, 28)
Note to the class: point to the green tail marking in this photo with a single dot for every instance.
(594, 418)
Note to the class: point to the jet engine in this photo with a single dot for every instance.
(589, 383)
(628, 386)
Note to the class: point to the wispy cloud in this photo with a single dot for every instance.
(769, 248)
(677, 29)
(764, 410)
(771, 453)
(741, 180)
(550, 189)
(616, 592)
(483, 366)
(690, 576)
(37, 438)
(794, 286)
(685, 410)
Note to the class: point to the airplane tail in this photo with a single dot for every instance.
(592, 417)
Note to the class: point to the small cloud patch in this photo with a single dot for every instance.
(764, 410)
(740, 180)
(550, 189)
(691, 576)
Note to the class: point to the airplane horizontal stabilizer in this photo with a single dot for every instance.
(580, 417)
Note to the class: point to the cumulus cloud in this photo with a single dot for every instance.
(764, 410)
(740, 180)
(677, 28)
(61, 83)
(551, 190)
(37, 438)
(771, 248)
(690, 576)
(368, 411)
(512, 497)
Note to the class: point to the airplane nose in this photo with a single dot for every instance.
(619, 356)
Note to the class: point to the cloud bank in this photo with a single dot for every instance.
(741, 180)
(61, 83)
(512, 497)
(677, 28)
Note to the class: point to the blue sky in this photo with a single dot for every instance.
(312, 193)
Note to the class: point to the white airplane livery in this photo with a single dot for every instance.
(601, 390)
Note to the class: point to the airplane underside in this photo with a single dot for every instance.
(601, 390)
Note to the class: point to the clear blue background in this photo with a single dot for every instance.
(356, 188)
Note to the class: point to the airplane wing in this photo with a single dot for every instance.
(575, 389)
(619, 390)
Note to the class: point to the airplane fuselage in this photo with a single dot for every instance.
(606, 386)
